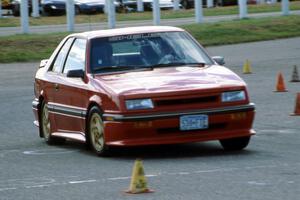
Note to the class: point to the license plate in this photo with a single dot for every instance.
(193, 122)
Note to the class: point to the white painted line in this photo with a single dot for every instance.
(83, 181)
(5, 189)
(49, 152)
(183, 173)
(207, 171)
(37, 186)
(119, 178)
(257, 183)
(262, 166)
(151, 175)
(216, 170)
(283, 131)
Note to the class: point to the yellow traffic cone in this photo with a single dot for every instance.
(247, 67)
(295, 76)
(138, 183)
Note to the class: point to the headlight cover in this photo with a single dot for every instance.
(139, 104)
(233, 96)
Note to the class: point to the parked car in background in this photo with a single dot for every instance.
(187, 4)
(15, 7)
(131, 5)
(191, 3)
(53, 7)
(89, 6)
(6, 4)
(58, 7)
(139, 86)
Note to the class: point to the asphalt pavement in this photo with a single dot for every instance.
(268, 169)
(5, 31)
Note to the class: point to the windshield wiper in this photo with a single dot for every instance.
(177, 64)
(115, 67)
(118, 68)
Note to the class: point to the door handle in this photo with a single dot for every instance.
(56, 87)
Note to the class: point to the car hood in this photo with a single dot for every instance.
(171, 79)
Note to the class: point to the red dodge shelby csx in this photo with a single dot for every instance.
(139, 86)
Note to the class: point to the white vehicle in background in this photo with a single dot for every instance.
(131, 5)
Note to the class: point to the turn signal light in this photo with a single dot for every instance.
(238, 116)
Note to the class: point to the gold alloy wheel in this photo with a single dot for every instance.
(45, 122)
(96, 132)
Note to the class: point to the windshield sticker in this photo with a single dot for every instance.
(134, 37)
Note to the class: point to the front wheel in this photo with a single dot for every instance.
(95, 132)
(234, 144)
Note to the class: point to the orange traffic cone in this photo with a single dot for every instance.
(138, 183)
(295, 76)
(297, 107)
(280, 86)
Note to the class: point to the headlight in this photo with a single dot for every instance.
(233, 96)
(137, 104)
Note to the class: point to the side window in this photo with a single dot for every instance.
(60, 58)
(76, 57)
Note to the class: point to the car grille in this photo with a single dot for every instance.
(193, 100)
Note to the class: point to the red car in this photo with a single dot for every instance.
(139, 86)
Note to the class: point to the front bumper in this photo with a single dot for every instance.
(163, 128)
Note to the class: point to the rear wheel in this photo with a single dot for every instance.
(46, 126)
(95, 132)
(77, 10)
(234, 144)
(16, 11)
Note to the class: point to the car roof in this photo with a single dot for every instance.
(126, 31)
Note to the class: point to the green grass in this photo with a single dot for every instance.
(247, 30)
(20, 48)
(166, 14)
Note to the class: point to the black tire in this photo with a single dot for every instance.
(45, 127)
(235, 144)
(95, 136)
(16, 11)
(186, 4)
(77, 10)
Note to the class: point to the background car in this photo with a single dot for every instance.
(89, 6)
(131, 5)
(187, 4)
(15, 7)
(58, 7)
(191, 3)
(53, 7)
(6, 4)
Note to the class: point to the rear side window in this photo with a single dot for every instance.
(61, 57)
(76, 56)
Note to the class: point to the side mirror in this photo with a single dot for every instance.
(77, 73)
(219, 59)
(43, 63)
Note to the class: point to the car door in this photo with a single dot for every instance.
(71, 93)
(53, 76)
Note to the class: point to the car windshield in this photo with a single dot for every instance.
(147, 50)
